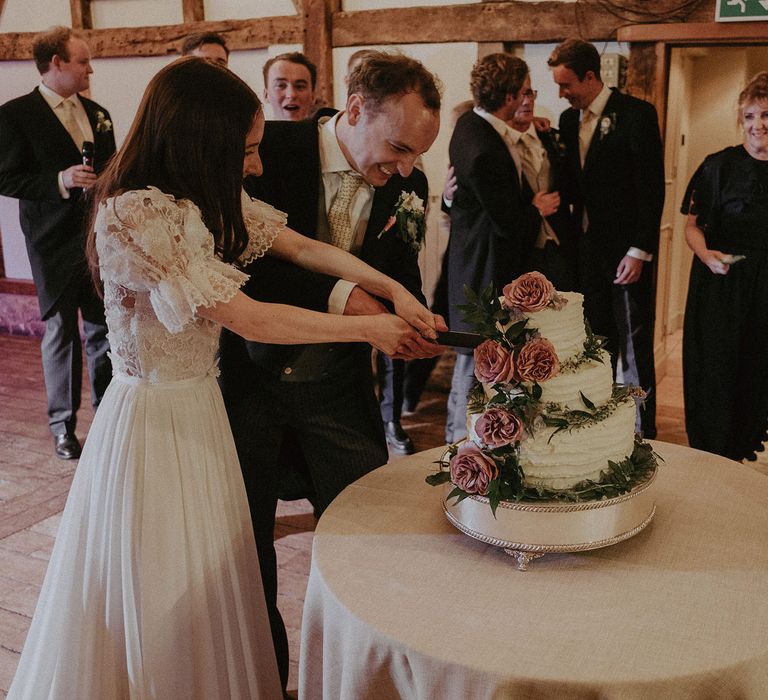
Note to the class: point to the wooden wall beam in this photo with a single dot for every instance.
(81, 14)
(317, 44)
(166, 39)
(194, 10)
(533, 22)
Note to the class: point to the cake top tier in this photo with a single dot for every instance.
(563, 327)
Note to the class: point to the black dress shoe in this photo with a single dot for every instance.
(66, 446)
(397, 438)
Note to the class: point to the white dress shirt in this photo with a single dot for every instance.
(54, 101)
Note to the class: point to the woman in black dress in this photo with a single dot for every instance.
(725, 342)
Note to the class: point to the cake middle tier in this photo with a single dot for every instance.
(559, 460)
(592, 378)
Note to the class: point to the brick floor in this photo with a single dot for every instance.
(33, 487)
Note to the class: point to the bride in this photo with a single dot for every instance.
(153, 588)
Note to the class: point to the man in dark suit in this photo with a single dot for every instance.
(341, 179)
(42, 164)
(495, 216)
(615, 164)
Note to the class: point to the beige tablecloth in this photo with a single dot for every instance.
(402, 605)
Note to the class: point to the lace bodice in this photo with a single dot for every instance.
(158, 266)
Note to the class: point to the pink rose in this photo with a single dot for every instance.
(529, 292)
(536, 361)
(471, 470)
(493, 363)
(498, 427)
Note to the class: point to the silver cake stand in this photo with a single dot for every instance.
(529, 530)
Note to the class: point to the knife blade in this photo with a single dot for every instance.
(459, 339)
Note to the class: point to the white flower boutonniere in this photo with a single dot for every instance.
(103, 125)
(410, 217)
(607, 124)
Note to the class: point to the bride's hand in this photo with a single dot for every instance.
(392, 335)
(417, 315)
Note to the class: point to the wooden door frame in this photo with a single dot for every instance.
(651, 47)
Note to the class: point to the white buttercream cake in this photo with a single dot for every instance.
(583, 421)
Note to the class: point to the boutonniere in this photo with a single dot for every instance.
(103, 125)
(558, 143)
(607, 124)
(410, 218)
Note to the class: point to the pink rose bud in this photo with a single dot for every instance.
(536, 361)
(529, 292)
(471, 470)
(493, 363)
(498, 427)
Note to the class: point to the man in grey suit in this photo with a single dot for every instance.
(42, 164)
(323, 394)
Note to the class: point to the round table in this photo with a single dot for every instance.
(401, 605)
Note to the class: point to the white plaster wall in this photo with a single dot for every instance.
(33, 15)
(135, 13)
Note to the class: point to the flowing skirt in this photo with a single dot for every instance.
(153, 588)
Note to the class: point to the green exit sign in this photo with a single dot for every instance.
(741, 10)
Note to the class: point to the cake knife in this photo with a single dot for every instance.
(459, 339)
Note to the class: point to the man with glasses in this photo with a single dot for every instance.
(495, 215)
(554, 252)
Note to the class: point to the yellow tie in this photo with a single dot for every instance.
(585, 135)
(70, 123)
(339, 221)
(531, 160)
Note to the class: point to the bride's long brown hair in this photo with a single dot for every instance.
(188, 140)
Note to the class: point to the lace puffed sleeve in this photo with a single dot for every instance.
(264, 223)
(148, 241)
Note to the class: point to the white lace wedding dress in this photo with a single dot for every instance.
(153, 588)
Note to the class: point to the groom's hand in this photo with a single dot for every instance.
(360, 303)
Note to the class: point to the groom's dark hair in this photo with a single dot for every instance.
(384, 75)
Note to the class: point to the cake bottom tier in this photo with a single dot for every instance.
(561, 460)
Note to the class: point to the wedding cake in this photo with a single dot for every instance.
(546, 424)
(546, 420)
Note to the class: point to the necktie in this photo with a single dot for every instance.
(339, 220)
(70, 123)
(537, 176)
(531, 160)
(585, 134)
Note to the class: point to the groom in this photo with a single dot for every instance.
(339, 179)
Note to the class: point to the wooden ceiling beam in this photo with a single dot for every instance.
(516, 20)
(81, 14)
(166, 39)
(193, 10)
